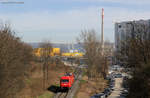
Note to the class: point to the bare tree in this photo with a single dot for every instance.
(93, 53)
(45, 56)
(15, 57)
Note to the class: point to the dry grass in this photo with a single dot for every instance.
(34, 85)
(91, 87)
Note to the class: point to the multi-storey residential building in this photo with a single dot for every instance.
(124, 30)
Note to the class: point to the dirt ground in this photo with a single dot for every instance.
(34, 84)
(90, 87)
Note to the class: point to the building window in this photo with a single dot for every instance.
(119, 26)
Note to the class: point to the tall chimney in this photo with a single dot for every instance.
(102, 28)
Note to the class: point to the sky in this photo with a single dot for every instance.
(61, 21)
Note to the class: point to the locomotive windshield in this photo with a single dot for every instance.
(64, 80)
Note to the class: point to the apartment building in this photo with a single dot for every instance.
(124, 30)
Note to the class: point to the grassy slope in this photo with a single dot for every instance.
(90, 87)
(34, 84)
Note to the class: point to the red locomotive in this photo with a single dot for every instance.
(67, 81)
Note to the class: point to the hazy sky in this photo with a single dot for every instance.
(63, 20)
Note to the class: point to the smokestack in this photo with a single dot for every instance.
(102, 28)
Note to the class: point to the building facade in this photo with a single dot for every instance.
(124, 30)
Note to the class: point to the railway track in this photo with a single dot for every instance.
(61, 95)
(69, 94)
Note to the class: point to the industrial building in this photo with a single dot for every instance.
(38, 51)
(124, 30)
(57, 52)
